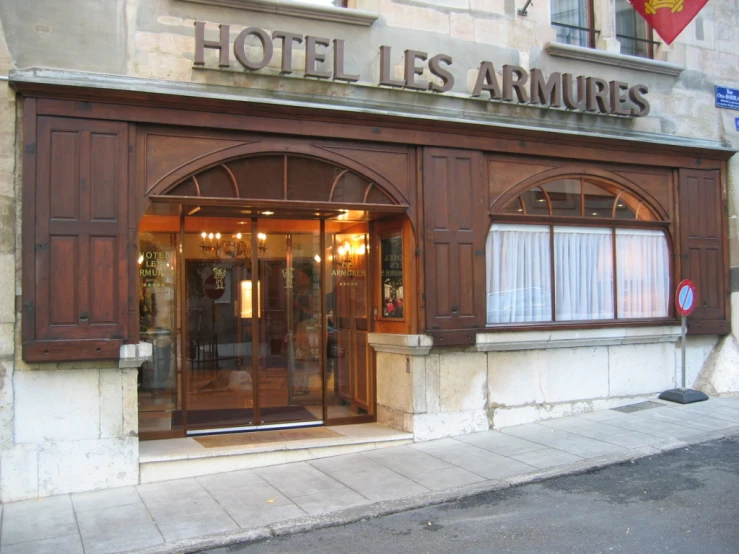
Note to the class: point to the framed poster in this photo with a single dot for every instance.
(391, 275)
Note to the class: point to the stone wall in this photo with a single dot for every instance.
(438, 392)
(75, 430)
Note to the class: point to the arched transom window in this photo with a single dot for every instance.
(576, 249)
(282, 177)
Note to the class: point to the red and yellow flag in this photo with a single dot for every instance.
(668, 17)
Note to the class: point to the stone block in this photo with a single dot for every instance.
(77, 466)
(56, 405)
(130, 402)
(6, 404)
(641, 368)
(417, 366)
(448, 424)
(462, 381)
(111, 403)
(19, 473)
(699, 348)
(394, 383)
(462, 26)
(7, 288)
(488, 6)
(433, 404)
(492, 31)
(7, 333)
(720, 373)
(7, 225)
(394, 418)
(547, 376)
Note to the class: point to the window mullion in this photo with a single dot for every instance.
(552, 288)
(615, 274)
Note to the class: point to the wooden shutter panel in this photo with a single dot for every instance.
(455, 216)
(702, 230)
(76, 274)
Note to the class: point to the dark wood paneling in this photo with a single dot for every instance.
(455, 228)
(76, 272)
(218, 114)
(702, 247)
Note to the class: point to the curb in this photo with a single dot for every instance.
(389, 507)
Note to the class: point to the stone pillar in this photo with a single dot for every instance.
(430, 393)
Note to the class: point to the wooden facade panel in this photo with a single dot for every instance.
(79, 290)
(169, 150)
(656, 183)
(439, 208)
(443, 292)
(460, 196)
(456, 224)
(63, 192)
(61, 293)
(103, 298)
(704, 260)
(104, 171)
(504, 174)
(465, 304)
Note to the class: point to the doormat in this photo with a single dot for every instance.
(260, 437)
(241, 417)
(631, 408)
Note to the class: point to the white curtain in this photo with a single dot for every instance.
(643, 273)
(583, 273)
(518, 274)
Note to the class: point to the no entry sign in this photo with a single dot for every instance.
(685, 297)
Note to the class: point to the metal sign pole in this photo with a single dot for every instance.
(683, 332)
(685, 299)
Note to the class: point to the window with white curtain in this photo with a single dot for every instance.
(573, 21)
(614, 265)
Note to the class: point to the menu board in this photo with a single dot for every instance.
(391, 274)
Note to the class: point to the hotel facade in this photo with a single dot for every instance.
(439, 216)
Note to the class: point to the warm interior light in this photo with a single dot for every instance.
(141, 259)
(268, 213)
(317, 258)
(238, 236)
(245, 300)
(360, 250)
(262, 236)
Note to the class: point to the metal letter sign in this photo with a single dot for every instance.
(727, 98)
(685, 297)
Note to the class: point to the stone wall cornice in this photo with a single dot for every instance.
(610, 58)
(349, 16)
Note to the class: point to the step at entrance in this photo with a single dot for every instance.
(162, 460)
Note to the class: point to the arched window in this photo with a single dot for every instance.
(577, 249)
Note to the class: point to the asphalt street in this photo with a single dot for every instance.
(683, 501)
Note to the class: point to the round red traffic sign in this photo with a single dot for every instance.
(685, 297)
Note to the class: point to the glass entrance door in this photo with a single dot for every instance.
(254, 328)
(256, 322)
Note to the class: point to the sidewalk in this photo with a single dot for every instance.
(188, 515)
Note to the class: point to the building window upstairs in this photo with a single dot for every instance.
(633, 32)
(574, 22)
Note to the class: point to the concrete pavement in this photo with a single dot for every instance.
(188, 515)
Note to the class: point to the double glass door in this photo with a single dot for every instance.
(266, 325)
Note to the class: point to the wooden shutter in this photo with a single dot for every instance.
(75, 262)
(702, 236)
(455, 215)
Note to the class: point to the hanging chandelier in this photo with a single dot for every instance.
(234, 246)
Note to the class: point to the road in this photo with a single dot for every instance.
(683, 501)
